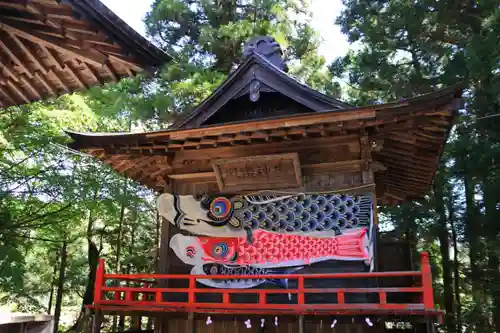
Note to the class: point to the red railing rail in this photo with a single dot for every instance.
(151, 296)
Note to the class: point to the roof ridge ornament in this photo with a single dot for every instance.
(268, 48)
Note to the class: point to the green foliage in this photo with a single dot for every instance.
(206, 39)
(405, 48)
(49, 194)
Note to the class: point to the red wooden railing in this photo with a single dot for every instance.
(148, 297)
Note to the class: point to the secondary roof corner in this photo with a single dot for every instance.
(261, 79)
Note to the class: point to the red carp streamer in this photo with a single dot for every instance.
(269, 247)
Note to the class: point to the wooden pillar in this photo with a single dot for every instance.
(431, 328)
(164, 260)
(301, 324)
(190, 327)
(165, 235)
(161, 322)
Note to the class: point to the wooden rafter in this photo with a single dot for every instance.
(46, 50)
(27, 52)
(11, 52)
(60, 44)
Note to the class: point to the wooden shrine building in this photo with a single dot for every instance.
(53, 47)
(269, 194)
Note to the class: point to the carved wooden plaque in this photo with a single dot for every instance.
(265, 172)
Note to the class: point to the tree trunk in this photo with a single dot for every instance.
(456, 265)
(444, 247)
(93, 261)
(135, 319)
(118, 250)
(472, 233)
(493, 269)
(493, 264)
(121, 317)
(53, 283)
(60, 286)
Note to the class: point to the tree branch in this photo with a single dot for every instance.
(25, 223)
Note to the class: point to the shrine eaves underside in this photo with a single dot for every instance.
(402, 142)
(49, 48)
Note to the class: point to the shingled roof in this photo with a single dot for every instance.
(51, 47)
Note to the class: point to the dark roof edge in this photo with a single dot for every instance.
(262, 61)
(148, 55)
(291, 79)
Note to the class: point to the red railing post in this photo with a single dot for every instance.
(382, 297)
(300, 296)
(225, 298)
(192, 287)
(262, 297)
(99, 282)
(425, 269)
(340, 297)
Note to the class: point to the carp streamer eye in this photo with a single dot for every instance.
(220, 208)
(220, 250)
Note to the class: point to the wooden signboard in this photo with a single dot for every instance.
(254, 173)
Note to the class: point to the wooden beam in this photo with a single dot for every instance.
(109, 69)
(37, 25)
(24, 17)
(10, 4)
(95, 76)
(73, 72)
(129, 65)
(91, 56)
(197, 175)
(39, 12)
(53, 59)
(392, 195)
(61, 11)
(28, 53)
(395, 163)
(80, 26)
(267, 124)
(12, 55)
(18, 91)
(405, 186)
(45, 83)
(58, 79)
(417, 181)
(265, 148)
(30, 87)
(6, 94)
(8, 72)
(350, 165)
